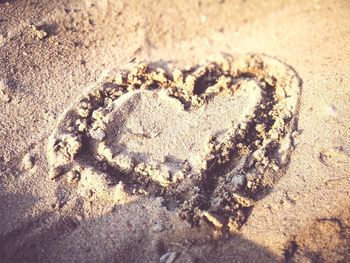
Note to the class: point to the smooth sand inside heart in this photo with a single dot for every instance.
(153, 128)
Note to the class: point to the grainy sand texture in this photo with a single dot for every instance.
(174, 131)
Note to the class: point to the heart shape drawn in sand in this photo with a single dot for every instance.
(209, 140)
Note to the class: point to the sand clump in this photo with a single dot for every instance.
(211, 138)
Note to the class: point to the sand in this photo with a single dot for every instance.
(210, 131)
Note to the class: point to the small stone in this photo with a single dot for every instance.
(168, 257)
(27, 162)
(238, 180)
(2, 40)
(157, 227)
(97, 134)
(39, 33)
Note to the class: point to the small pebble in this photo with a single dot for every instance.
(168, 257)
(2, 40)
(28, 162)
(98, 134)
(39, 33)
(157, 227)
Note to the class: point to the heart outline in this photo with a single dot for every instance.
(284, 85)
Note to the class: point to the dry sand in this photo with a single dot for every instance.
(160, 164)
